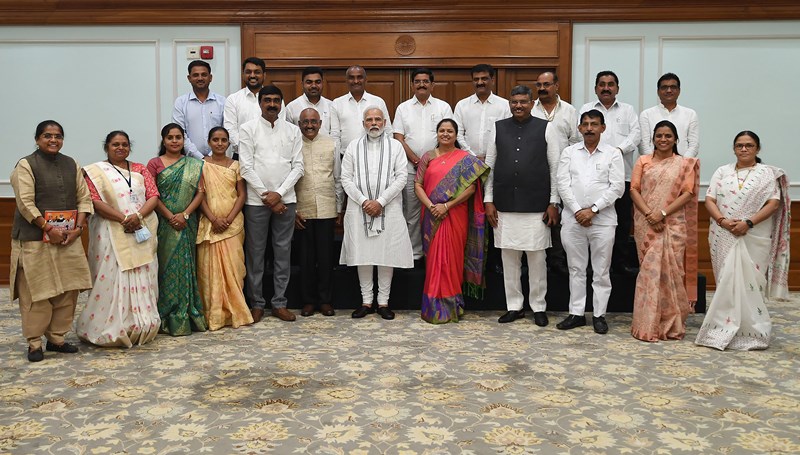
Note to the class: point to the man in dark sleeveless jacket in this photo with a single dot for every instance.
(521, 198)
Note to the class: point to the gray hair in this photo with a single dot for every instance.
(372, 107)
(522, 90)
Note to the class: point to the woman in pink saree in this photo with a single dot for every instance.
(448, 184)
(664, 189)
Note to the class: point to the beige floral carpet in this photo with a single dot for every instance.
(343, 386)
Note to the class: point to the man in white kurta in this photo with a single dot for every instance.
(348, 110)
(415, 123)
(521, 198)
(591, 177)
(375, 233)
(684, 119)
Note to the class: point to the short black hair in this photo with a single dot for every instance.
(269, 90)
(43, 126)
(593, 113)
(312, 70)
(482, 68)
(522, 90)
(604, 74)
(255, 61)
(422, 71)
(668, 77)
(198, 63)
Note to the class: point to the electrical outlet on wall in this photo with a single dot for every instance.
(193, 52)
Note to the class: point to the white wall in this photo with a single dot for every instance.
(736, 75)
(94, 80)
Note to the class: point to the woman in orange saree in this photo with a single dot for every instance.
(448, 184)
(664, 189)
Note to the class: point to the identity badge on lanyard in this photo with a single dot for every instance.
(133, 197)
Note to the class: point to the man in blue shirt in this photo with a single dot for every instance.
(199, 110)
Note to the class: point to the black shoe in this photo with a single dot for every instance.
(571, 322)
(35, 356)
(66, 348)
(362, 311)
(600, 325)
(511, 316)
(386, 313)
(540, 318)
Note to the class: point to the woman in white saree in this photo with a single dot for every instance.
(749, 240)
(122, 309)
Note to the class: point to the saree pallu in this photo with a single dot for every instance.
(455, 246)
(179, 303)
(220, 256)
(122, 306)
(750, 268)
(666, 288)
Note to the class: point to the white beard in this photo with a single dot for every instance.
(375, 134)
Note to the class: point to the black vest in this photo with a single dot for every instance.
(55, 176)
(521, 172)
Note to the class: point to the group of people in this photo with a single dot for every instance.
(181, 244)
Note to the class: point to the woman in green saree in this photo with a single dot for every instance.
(180, 183)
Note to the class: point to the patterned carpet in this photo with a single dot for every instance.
(342, 386)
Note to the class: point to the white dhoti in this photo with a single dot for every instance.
(519, 233)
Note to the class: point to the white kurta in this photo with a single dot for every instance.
(392, 247)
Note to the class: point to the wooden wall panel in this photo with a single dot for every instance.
(280, 12)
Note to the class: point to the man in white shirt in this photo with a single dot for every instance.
(415, 123)
(563, 120)
(243, 105)
(684, 119)
(590, 178)
(521, 202)
(375, 234)
(271, 162)
(477, 114)
(623, 133)
(311, 98)
(199, 110)
(348, 110)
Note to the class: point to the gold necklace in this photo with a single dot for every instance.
(740, 181)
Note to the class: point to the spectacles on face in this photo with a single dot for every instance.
(744, 146)
(309, 122)
(48, 136)
(666, 88)
(544, 84)
(421, 82)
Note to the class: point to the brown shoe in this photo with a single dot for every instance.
(326, 309)
(283, 314)
(257, 313)
(308, 310)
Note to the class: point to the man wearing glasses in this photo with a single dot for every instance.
(319, 205)
(415, 123)
(685, 119)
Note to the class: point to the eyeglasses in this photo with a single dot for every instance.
(744, 146)
(421, 82)
(544, 84)
(309, 122)
(48, 136)
(665, 88)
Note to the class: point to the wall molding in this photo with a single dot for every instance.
(96, 12)
(589, 78)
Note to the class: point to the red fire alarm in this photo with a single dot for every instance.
(207, 52)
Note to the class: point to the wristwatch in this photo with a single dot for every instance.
(595, 209)
(186, 216)
(749, 224)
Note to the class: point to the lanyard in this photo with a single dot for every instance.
(128, 180)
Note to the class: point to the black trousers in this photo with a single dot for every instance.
(624, 207)
(315, 244)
